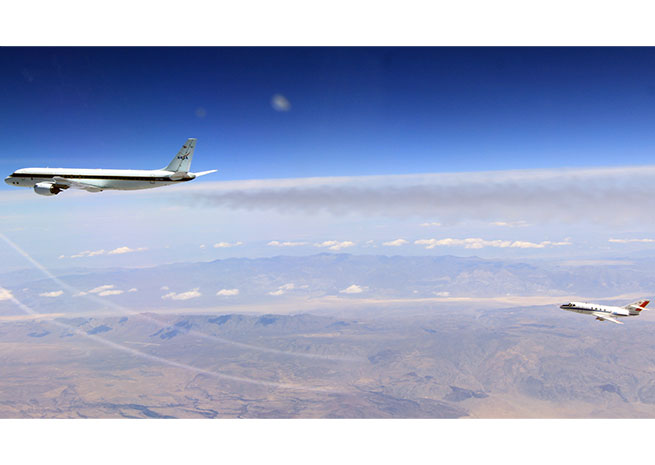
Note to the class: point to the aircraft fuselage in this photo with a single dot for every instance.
(102, 179)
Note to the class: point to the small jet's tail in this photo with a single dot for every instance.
(182, 161)
(636, 307)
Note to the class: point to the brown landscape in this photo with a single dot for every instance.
(411, 362)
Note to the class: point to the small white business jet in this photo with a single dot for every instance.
(51, 181)
(606, 312)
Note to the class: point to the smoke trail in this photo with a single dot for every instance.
(601, 195)
(165, 361)
(160, 324)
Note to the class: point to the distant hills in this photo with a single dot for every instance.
(276, 280)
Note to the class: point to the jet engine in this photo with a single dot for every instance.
(46, 188)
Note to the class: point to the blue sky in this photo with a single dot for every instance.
(348, 113)
(354, 111)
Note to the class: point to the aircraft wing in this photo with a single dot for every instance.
(76, 184)
(603, 317)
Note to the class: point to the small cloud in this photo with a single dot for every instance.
(164, 288)
(192, 294)
(134, 289)
(125, 249)
(286, 244)
(335, 245)
(102, 288)
(433, 223)
(202, 246)
(221, 245)
(353, 289)
(51, 294)
(228, 292)
(62, 256)
(442, 294)
(478, 243)
(95, 253)
(110, 292)
(628, 241)
(280, 103)
(283, 289)
(89, 253)
(5, 294)
(510, 224)
(80, 294)
(396, 243)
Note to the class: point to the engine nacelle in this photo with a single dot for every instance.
(46, 188)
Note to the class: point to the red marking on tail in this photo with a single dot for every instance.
(642, 306)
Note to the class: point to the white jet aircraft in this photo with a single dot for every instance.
(606, 312)
(51, 181)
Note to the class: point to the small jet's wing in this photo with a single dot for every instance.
(76, 184)
(603, 317)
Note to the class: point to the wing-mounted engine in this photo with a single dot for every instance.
(46, 188)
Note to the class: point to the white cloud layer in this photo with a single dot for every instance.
(89, 253)
(353, 289)
(192, 294)
(396, 243)
(228, 292)
(283, 289)
(510, 224)
(52, 294)
(224, 245)
(479, 243)
(286, 244)
(628, 241)
(110, 292)
(125, 249)
(99, 289)
(335, 245)
(5, 294)
(116, 251)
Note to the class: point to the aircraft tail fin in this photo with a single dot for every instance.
(182, 161)
(636, 307)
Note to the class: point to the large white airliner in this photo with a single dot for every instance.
(606, 312)
(51, 181)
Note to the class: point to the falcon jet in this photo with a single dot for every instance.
(606, 312)
(51, 181)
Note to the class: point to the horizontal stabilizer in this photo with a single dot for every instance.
(637, 306)
(202, 173)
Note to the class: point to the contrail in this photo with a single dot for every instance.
(160, 324)
(614, 195)
(165, 361)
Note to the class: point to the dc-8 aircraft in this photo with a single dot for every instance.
(51, 181)
(606, 312)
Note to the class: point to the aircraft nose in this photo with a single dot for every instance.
(8, 179)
